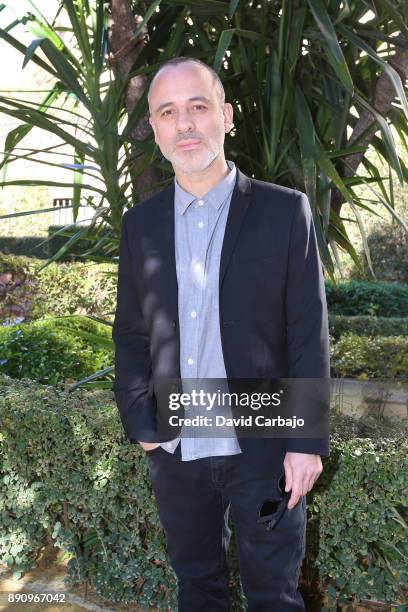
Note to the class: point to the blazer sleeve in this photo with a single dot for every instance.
(307, 330)
(131, 387)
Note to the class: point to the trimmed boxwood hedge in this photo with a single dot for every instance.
(369, 357)
(379, 299)
(68, 473)
(367, 326)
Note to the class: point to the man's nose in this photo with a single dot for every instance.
(184, 122)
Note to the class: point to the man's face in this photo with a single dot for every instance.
(187, 117)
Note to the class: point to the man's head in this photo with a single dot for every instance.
(188, 114)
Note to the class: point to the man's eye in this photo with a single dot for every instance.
(166, 112)
(198, 106)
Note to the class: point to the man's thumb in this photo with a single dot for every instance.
(288, 480)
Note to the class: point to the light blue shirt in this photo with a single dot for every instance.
(199, 225)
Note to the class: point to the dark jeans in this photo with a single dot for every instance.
(193, 500)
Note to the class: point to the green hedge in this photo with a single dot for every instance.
(78, 288)
(25, 246)
(68, 473)
(34, 246)
(367, 326)
(362, 538)
(49, 352)
(367, 357)
(367, 298)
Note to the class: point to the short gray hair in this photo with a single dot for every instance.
(176, 61)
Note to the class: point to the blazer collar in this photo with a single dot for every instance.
(238, 206)
(215, 197)
(240, 200)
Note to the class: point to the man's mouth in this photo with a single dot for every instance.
(188, 144)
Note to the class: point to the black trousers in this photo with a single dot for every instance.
(193, 501)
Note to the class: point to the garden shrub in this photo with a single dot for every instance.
(68, 473)
(62, 288)
(76, 288)
(50, 353)
(369, 357)
(367, 326)
(388, 246)
(367, 298)
(360, 541)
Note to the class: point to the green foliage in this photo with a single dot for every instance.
(9, 263)
(379, 299)
(27, 246)
(76, 288)
(67, 473)
(50, 352)
(37, 246)
(366, 325)
(62, 288)
(78, 250)
(366, 357)
(302, 77)
(71, 475)
(388, 246)
(361, 535)
(83, 108)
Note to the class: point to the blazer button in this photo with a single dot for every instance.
(174, 324)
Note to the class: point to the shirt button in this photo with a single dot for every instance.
(200, 224)
(200, 202)
(193, 314)
(190, 361)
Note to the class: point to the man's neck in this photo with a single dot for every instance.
(200, 183)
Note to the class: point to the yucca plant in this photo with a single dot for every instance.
(314, 83)
(316, 86)
(84, 109)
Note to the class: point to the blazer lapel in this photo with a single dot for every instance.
(166, 242)
(239, 203)
(165, 227)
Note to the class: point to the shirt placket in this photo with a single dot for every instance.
(196, 228)
(196, 238)
(212, 219)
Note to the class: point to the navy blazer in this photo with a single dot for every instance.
(272, 305)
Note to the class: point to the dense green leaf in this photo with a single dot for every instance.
(334, 52)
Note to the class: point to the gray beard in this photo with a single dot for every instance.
(212, 156)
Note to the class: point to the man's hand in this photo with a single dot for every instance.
(147, 446)
(301, 472)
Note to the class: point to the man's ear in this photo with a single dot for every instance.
(228, 115)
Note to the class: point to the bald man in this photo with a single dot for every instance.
(219, 279)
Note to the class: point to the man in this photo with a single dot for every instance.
(219, 278)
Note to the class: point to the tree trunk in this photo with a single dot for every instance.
(126, 50)
(383, 99)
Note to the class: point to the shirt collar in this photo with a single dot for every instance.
(216, 196)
